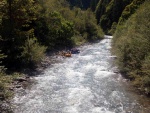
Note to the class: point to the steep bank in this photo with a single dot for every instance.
(132, 46)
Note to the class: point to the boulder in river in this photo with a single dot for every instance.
(75, 51)
(21, 79)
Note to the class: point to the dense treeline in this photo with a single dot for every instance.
(84, 4)
(29, 28)
(132, 45)
(109, 12)
(130, 22)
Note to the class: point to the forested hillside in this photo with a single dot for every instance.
(109, 12)
(29, 28)
(132, 46)
(129, 22)
(84, 4)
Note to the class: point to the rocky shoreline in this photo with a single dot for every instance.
(17, 84)
(20, 84)
(23, 82)
(26, 81)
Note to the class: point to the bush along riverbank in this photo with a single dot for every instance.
(30, 29)
(131, 43)
(12, 82)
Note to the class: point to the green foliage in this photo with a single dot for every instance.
(29, 27)
(6, 84)
(132, 46)
(17, 19)
(100, 9)
(59, 24)
(84, 4)
(129, 10)
(52, 22)
(145, 79)
(93, 4)
(94, 32)
(113, 28)
(85, 25)
(32, 52)
(2, 56)
(4, 91)
(79, 40)
(60, 30)
(57, 31)
(109, 11)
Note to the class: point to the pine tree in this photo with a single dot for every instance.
(18, 17)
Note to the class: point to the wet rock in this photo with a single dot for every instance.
(5, 107)
(113, 57)
(27, 77)
(116, 71)
(11, 88)
(20, 79)
(21, 82)
(18, 86)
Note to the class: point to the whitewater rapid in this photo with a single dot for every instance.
(84, 83)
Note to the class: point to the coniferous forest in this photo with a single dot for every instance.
(31, 28)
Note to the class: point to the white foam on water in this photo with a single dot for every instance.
(115, 95)
(97, 53)
(80, 84)
(78, 97)
(102, 74)
(74, 76)
(89, 66)
(100, 110)
(46, 78)
(109, 37)
(103, 42)
(87, 57)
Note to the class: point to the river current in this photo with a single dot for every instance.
(83, 83)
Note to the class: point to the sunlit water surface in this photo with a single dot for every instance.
(84, 83)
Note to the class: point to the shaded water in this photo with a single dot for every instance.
(84, 83)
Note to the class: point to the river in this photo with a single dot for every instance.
(84, 83)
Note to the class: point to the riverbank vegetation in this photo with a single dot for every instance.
(132, 46)
(29, 29)
(129, 22)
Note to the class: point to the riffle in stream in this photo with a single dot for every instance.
(84, 83)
